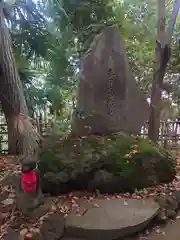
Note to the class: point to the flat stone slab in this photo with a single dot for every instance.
(71, 238)
(111, 219)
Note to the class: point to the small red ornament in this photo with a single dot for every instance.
(29, 181)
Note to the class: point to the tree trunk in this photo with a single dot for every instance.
(162, 58)
(23, 139)
(21, 134)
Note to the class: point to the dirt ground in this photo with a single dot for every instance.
(171, 231)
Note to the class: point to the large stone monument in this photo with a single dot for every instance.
(108, 98)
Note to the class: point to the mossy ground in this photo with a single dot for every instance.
(133, 162)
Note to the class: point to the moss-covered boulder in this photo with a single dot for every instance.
(113, 163)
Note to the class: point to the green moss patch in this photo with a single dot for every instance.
(114, 163)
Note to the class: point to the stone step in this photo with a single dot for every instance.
(70, 238)
(111, 219)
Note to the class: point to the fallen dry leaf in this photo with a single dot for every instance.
(28, 236)
(7, 201)
(95, 205)
(83, 212)
(71, 201)
(23, 232)
(158, 231)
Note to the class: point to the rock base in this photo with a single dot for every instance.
(105, 219)
(111, 219)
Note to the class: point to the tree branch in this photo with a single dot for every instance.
(172, 21)
(161, 32)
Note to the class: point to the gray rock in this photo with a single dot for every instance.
(162, 217)
(11, 234)
(108, 98)
(171, 213)
(112, 219)
(168, 207)
(53, 227)
(176, 194)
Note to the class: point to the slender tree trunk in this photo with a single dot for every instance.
(162, 57)
(21, 134)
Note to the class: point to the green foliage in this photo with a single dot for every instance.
(28, 28)
(132, 162)
(50, 37)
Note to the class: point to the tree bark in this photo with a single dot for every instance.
(162, 54)
(21, 134)
(162, 58)
(22, 137)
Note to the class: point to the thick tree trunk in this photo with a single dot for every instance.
(15, 138)
(23, 139)
(21, 134)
